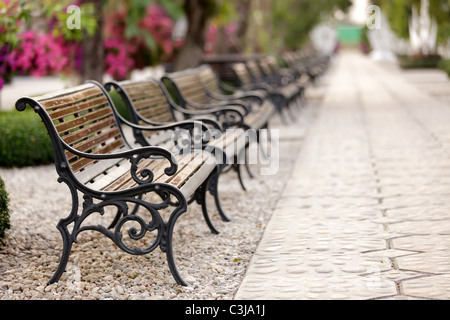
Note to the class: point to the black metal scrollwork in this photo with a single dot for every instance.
(147, 173)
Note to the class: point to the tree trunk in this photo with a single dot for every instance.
(237, 44)
(92, 46)
(190, 55)
(244, 9)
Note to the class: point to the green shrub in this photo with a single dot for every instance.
(23, 140)
(416, 62)
(445, 65)
(4, 211)
(119, 104)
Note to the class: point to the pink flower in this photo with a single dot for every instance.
(39, 54)
(118, 60)
(160, 26)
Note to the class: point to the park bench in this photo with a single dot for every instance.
(221, 64)
(249, 77)
(143, 191)
(288, 91)
(148, 103)
(284, 76)
(216, 88)
(191, 94)
(308, 63)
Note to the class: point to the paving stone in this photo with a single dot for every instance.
(365, 213)
(432, 287)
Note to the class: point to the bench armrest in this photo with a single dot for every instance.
(229, 112)
(207, 129)
(253, 95)
(134, 156)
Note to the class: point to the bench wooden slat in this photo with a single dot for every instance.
(95, 141)
(74, 109)
(126, 180)
(187, 166)
(84, 119)
(57, 102)
(148, 100)
(209, 81)
(79, 164)
(81, 134)
(241, 71)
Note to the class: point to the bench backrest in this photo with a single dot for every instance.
(255, 71)
(242, 74)
(209, 79)
(145, 99)
(188, 84)
(268, 66)
(83, 118)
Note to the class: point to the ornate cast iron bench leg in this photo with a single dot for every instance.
(164, 229)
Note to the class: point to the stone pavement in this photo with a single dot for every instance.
(366, 213)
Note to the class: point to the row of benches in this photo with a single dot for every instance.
(181, 124)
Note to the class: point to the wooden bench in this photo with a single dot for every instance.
(258, 74)
(283, 77)
(140, 187)
(149, 103)
(216, 88)
(306, 63)
(192, 94)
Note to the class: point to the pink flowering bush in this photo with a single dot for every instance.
(39, 54)
(12, 12)
(4, 63)
(118, 60)
(122, 54)
(56, 50)
(158, 23)
(118, 50)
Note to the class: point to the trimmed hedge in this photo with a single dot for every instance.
(23, 140)
(445, 65)
(4, 211)
(429, 62)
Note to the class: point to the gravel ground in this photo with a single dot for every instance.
(214, 265)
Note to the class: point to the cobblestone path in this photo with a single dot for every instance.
(366, 213)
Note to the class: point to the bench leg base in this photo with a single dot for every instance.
(156, 224)
(213, 188)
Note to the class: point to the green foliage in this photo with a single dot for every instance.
(445, 65)
(10, 14)
(4, 210)
(417, 62)
(23, 140)
(294, 19)
(399, 12)
(57, 11)
(119, 104)
(173, 8)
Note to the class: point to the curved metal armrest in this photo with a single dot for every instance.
(212, 110)
(227, 87)
(238, 96)
(173, 125)
(208, 128)
(242, 105)
(134, 156)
